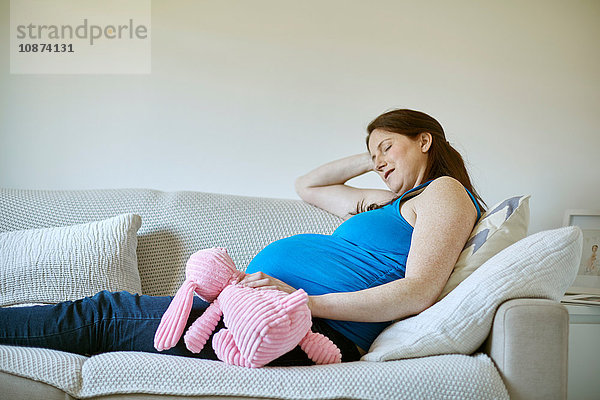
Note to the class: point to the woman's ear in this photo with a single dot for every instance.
(425, 140)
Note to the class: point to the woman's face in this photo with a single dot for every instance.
(399, 160)
(594, 248)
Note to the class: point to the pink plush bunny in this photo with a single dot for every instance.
(261, 325)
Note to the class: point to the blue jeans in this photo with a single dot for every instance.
(121, 321)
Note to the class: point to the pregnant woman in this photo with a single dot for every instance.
(389, 259)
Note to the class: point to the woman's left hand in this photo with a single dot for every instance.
(260, 280)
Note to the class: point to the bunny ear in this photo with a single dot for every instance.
(174, 319)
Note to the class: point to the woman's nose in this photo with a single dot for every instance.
(379, 163)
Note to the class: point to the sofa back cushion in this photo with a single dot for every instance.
(502, 225)
(174, 224)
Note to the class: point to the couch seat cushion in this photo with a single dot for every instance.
(448, 376)
(57, 368)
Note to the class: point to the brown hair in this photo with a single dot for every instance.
(443, 159)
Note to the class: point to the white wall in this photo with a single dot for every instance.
(246, 95)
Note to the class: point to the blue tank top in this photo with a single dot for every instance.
(366, 250)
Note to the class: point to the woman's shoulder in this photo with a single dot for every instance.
(445, 190)
(444, 183)
(446, 199)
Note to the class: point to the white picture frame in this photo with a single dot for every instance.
(588, 275)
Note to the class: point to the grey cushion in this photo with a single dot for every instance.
(174, 224)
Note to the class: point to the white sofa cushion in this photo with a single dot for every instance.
(502, 225)
(471, 377)
(57, 368)
(542, 265)
(51, 265)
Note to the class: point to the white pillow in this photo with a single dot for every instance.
(542, 265)
(51, 265)
(504, 224)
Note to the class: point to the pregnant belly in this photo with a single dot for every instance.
(321, 264)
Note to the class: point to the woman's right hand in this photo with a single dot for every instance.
(260, 280)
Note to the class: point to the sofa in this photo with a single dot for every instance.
(519, 351)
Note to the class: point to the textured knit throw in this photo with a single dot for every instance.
(261, 325)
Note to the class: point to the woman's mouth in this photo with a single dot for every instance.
(388, 173)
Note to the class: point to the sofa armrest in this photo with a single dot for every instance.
(528, 343)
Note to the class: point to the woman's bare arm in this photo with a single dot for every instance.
(325, 186)
(445, 218)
